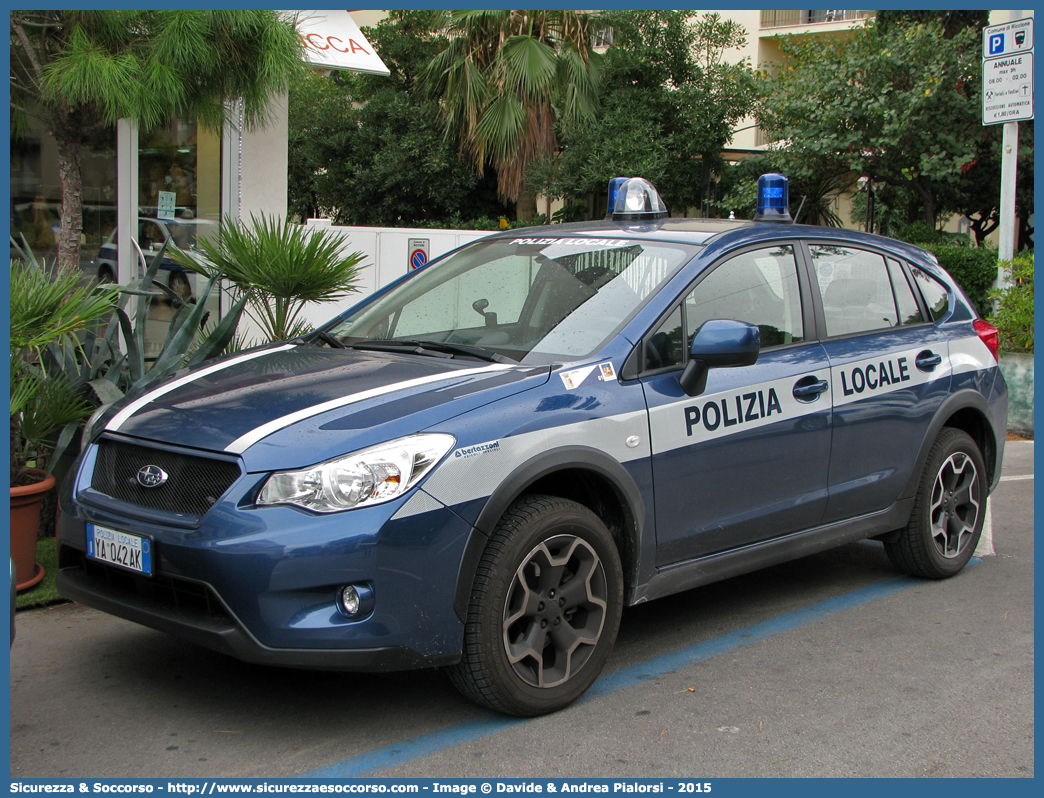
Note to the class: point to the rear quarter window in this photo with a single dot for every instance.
(936, 295)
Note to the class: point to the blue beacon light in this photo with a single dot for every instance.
(614, 189)
(773, 199)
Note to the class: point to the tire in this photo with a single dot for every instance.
(533, 645)
(105, 275)
(178, 282)
(948, 513)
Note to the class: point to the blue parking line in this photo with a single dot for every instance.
(408, 750)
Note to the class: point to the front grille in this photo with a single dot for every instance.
(193, 485)
(170, 592)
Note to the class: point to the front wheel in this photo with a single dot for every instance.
(544, 611)
(948, 512)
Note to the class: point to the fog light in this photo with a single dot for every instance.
(350, 601)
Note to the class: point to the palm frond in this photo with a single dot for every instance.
(526, 66)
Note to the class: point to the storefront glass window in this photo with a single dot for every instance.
(36, 192)
(179, 199)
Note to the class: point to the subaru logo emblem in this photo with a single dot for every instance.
(151, 476)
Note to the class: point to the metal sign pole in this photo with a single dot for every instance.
(1007, 94)
(1009, 163)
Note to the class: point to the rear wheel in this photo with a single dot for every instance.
(545, 609)
(948, 513)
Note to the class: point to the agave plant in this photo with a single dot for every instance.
(105, 371)
(277, 267)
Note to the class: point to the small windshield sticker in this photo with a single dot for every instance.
(606, 372)
(477, 449)
(573, 379)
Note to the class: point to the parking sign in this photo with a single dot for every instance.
(1007, 72)
(418, 249)
(1009, 38)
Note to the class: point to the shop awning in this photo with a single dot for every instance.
(333, 41)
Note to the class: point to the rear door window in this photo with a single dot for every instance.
(856, 289)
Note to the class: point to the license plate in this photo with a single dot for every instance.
(132, 552)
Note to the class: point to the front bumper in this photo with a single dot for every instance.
(261, 583)
(207, 622)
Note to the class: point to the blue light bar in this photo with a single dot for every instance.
(773, 199)
(614, 189)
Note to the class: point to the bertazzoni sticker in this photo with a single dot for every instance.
(477, 449)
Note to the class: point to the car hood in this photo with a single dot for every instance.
(295, 405)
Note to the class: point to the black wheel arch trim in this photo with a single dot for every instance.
(967, 399)
(516, 483)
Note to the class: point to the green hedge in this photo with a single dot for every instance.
(975, 270)
(1014, 316)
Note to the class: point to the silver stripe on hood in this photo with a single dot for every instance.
(244, 442)
(118, 420)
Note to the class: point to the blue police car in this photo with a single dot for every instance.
(480, 466)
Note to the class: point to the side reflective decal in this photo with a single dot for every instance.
(464, 478)
(970, 354)
(860, 379)
(710, 416)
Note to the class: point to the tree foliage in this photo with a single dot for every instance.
(371, 150)
(812, 197)
(669, 105)
(953, 21)
(898, 103)
(79, 71)
(506, 78)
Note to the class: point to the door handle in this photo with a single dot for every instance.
(808, 389)
(927, 360)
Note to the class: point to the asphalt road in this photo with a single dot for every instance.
(827, 666)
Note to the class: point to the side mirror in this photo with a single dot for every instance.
(719, 343)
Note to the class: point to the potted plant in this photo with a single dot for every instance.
(45, 411)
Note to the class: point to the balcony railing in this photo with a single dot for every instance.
(781, 19)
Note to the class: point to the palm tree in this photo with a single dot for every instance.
(81, 71)
(505, 79)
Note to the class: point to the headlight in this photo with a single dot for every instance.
(371, 476)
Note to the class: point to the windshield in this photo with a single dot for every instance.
(534, 300)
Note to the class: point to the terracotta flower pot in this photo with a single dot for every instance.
(25, 524)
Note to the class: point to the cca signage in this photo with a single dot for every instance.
(331, 43)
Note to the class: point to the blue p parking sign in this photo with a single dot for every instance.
(996, 44)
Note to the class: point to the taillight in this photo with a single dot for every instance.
(989, 336)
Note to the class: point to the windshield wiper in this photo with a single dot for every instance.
(326, 338)
(432, 349)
